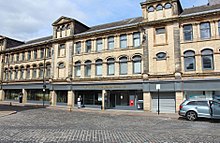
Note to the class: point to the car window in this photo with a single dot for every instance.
(202, 103)
(192, 103)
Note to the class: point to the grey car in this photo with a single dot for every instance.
(193, 109)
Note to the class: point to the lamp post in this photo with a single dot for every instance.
(158, 98)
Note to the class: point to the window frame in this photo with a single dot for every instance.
(78, 47)
(88, 46)
(150, 9)
(136, 36)
(204, 30)
(123, 38)
(159, 7)
(189, 55)
(98, 64)
(135, 60)
(88, 68)
(205, 55)
(123, 61)
(170, 5)
(188, 31)
(111, 40)
(110, 62)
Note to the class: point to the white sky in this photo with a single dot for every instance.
(28, 19)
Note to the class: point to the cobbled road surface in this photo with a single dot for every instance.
(49, 125)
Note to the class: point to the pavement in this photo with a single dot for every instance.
(50, 124)
(14, 107)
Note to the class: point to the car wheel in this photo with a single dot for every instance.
(191, 116)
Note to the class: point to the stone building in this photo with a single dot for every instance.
(170, 51)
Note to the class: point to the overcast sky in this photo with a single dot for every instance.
(28, 19)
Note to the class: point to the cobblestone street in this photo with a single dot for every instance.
(49, 125)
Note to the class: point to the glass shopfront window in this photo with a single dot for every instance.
(37, 95)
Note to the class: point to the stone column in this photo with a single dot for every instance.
(147, 101)
(24, 93)
(53, 98)
(71, 99)
(2, 95)
(103, 99)
(179, 99)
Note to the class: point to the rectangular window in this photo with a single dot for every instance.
(12, 58)
(99, 45)
(35, 54)
(188, 32)
(110, 43)
(61, 50)
(137, 67)
(48, 53)
(88, 70)
(123, 68)
(41, 53)
(123, 41)
(88, 46)
(160, 30)
(78, 48)
(17, 57)
(22, 56)
(29, 55)
(205, 30)
(136, 39)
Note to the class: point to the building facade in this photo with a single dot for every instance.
(168, 51)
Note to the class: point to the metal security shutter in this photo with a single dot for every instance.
(167, 102)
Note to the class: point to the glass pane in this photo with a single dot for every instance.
(136, 42)
(151, 9)
(168, 5)
(160, 31)
(123, 68)
(205, 34)
(111, 69)
(189, 63)
(207, 62)
(159, 7)
(189, 53)
(123, 44)
(78, 71)
(207, 52)
(137, 67)
(98, 70)
(111, 43)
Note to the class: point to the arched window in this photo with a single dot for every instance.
(48, 70)
(6, 73)
(161, 56)
(110, 66)
(22, 72)
(88, 68)
(78, 69)
(11, 73)
(189, 61)
(16, 72)
(28, 71)
(123, 62)
(34, 73)
(61, 70)
(41, 71)
(207, 59)
(136, 64)
(98, 66)
(150, 9)
(167, 6)
(159, 7)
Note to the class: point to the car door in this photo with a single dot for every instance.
(216, 109)
(203, 109)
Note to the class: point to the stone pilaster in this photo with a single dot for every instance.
(53, 96)
(104, 94)
(179, 99)
(145, 51)
(24, 93)
(2, 95)
(147, 101)
(71, 99)
(177, 50)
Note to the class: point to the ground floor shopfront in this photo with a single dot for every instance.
(125, 96)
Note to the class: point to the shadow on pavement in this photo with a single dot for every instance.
(202, 120)
(19, 108)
